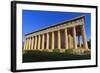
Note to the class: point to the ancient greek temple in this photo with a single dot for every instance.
(61, 36)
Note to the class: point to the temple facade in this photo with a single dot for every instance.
(61, 36)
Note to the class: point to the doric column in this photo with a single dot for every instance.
(32, 45)
(53, 40)
(47, 41)
(42, 41)
(25, 44)
(35, 46)
(38, 41)
(74, 36)
(84, 38)
(59, 40)
(29, 43)
(66, 39)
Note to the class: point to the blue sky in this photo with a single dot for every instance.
(33, 20)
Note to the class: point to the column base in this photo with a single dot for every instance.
(40, 49)
(62, 50)
(81, 51)
(50, 50)
(87, 49)
(27, 50)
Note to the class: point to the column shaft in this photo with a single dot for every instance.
(32, 45)
(84, 38)
(59, 40)
(42, 41)
(74, 36)
(35, 46)
(66, 39)
(29, 43)
(25, 45)
(47, 41)
(39, 42)
(52, 40)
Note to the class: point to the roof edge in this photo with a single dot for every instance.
(57, 24)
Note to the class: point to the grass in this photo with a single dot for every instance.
(40, 56)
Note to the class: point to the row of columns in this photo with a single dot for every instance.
(34, 42)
